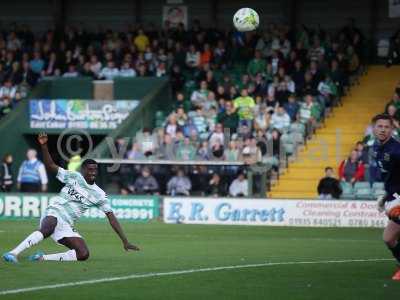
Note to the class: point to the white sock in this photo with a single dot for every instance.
(33, 239)
(65, 256)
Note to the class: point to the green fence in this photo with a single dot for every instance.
(130, 208)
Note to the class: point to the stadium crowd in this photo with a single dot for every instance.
(359, 171)
(252, 97)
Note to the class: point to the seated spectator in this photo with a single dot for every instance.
(217, 135)
(292, 107)
(351, 169)
(161, 70)
(186, 151)
(256, 65)
(109, 72)
(71, 72)
(200, 122)
(232, 153)
(145, 184)
(200, 96)
(179, 185)
(181, 102)
(244, 106)
(217, 151)
(126, 70)
(327, 91)
(141, 41)
(310, 111)
(167, 148)
(95, 65)
(8, 93)
(239, 187)
(362, 152)
(147, 142)
(329, 186)
(181, 116)
(262, 119)
(280, 120)
(215, 186)
(251, 153)
(172, 126)
(203, 153)
(135, 152)
(206, 55)
(228, 117)
(37, 63)
(192, 58)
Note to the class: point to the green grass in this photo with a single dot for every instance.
(181, 247)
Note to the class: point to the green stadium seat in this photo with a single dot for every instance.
(362, 190)
(378, 186)
(348, 191)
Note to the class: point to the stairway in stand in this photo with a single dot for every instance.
(332, 143)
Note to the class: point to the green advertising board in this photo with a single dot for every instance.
(131, 208)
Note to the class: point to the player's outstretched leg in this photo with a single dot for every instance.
(391, 237)
(47, 227)
(78, 251)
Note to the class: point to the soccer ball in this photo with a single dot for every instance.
(246, 19)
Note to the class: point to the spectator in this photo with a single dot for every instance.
(280, 120)
(292, 107)
(71, 72)
(8, 92)
(126, 70)
(239, 187)
(256, 65)
(32, 176)
(141, 41)
(229, 118)
(215, 186)
(167, 148)
(135, 153)
(37, 63)
(6, 174)
(310, 111)
(362, 152)
(199, 97)
(109, 72)
(244, 105)
(351, 169)
(192, 58)
(329, 186)
(217, 136)
(179, 185)
(186, 151)
(145, 184)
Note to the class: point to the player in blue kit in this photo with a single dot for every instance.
(386, 152)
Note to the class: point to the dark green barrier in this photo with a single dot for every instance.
(157, 98)
(130, 208)
(70, 88)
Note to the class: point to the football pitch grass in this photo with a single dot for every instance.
(205, 262)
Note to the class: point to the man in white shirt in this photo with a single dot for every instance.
(109, 72)
(126, 70)
(8, 90)
(280, 119)
(239, 187)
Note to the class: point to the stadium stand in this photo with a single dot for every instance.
(335, 141)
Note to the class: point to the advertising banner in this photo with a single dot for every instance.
(175, 14)
(132, 208)
(313, 213)
(82, 114)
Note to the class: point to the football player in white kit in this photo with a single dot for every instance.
(79, 194)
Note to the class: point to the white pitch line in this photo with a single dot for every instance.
(183, 272)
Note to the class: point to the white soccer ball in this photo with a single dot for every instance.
(246, 19)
